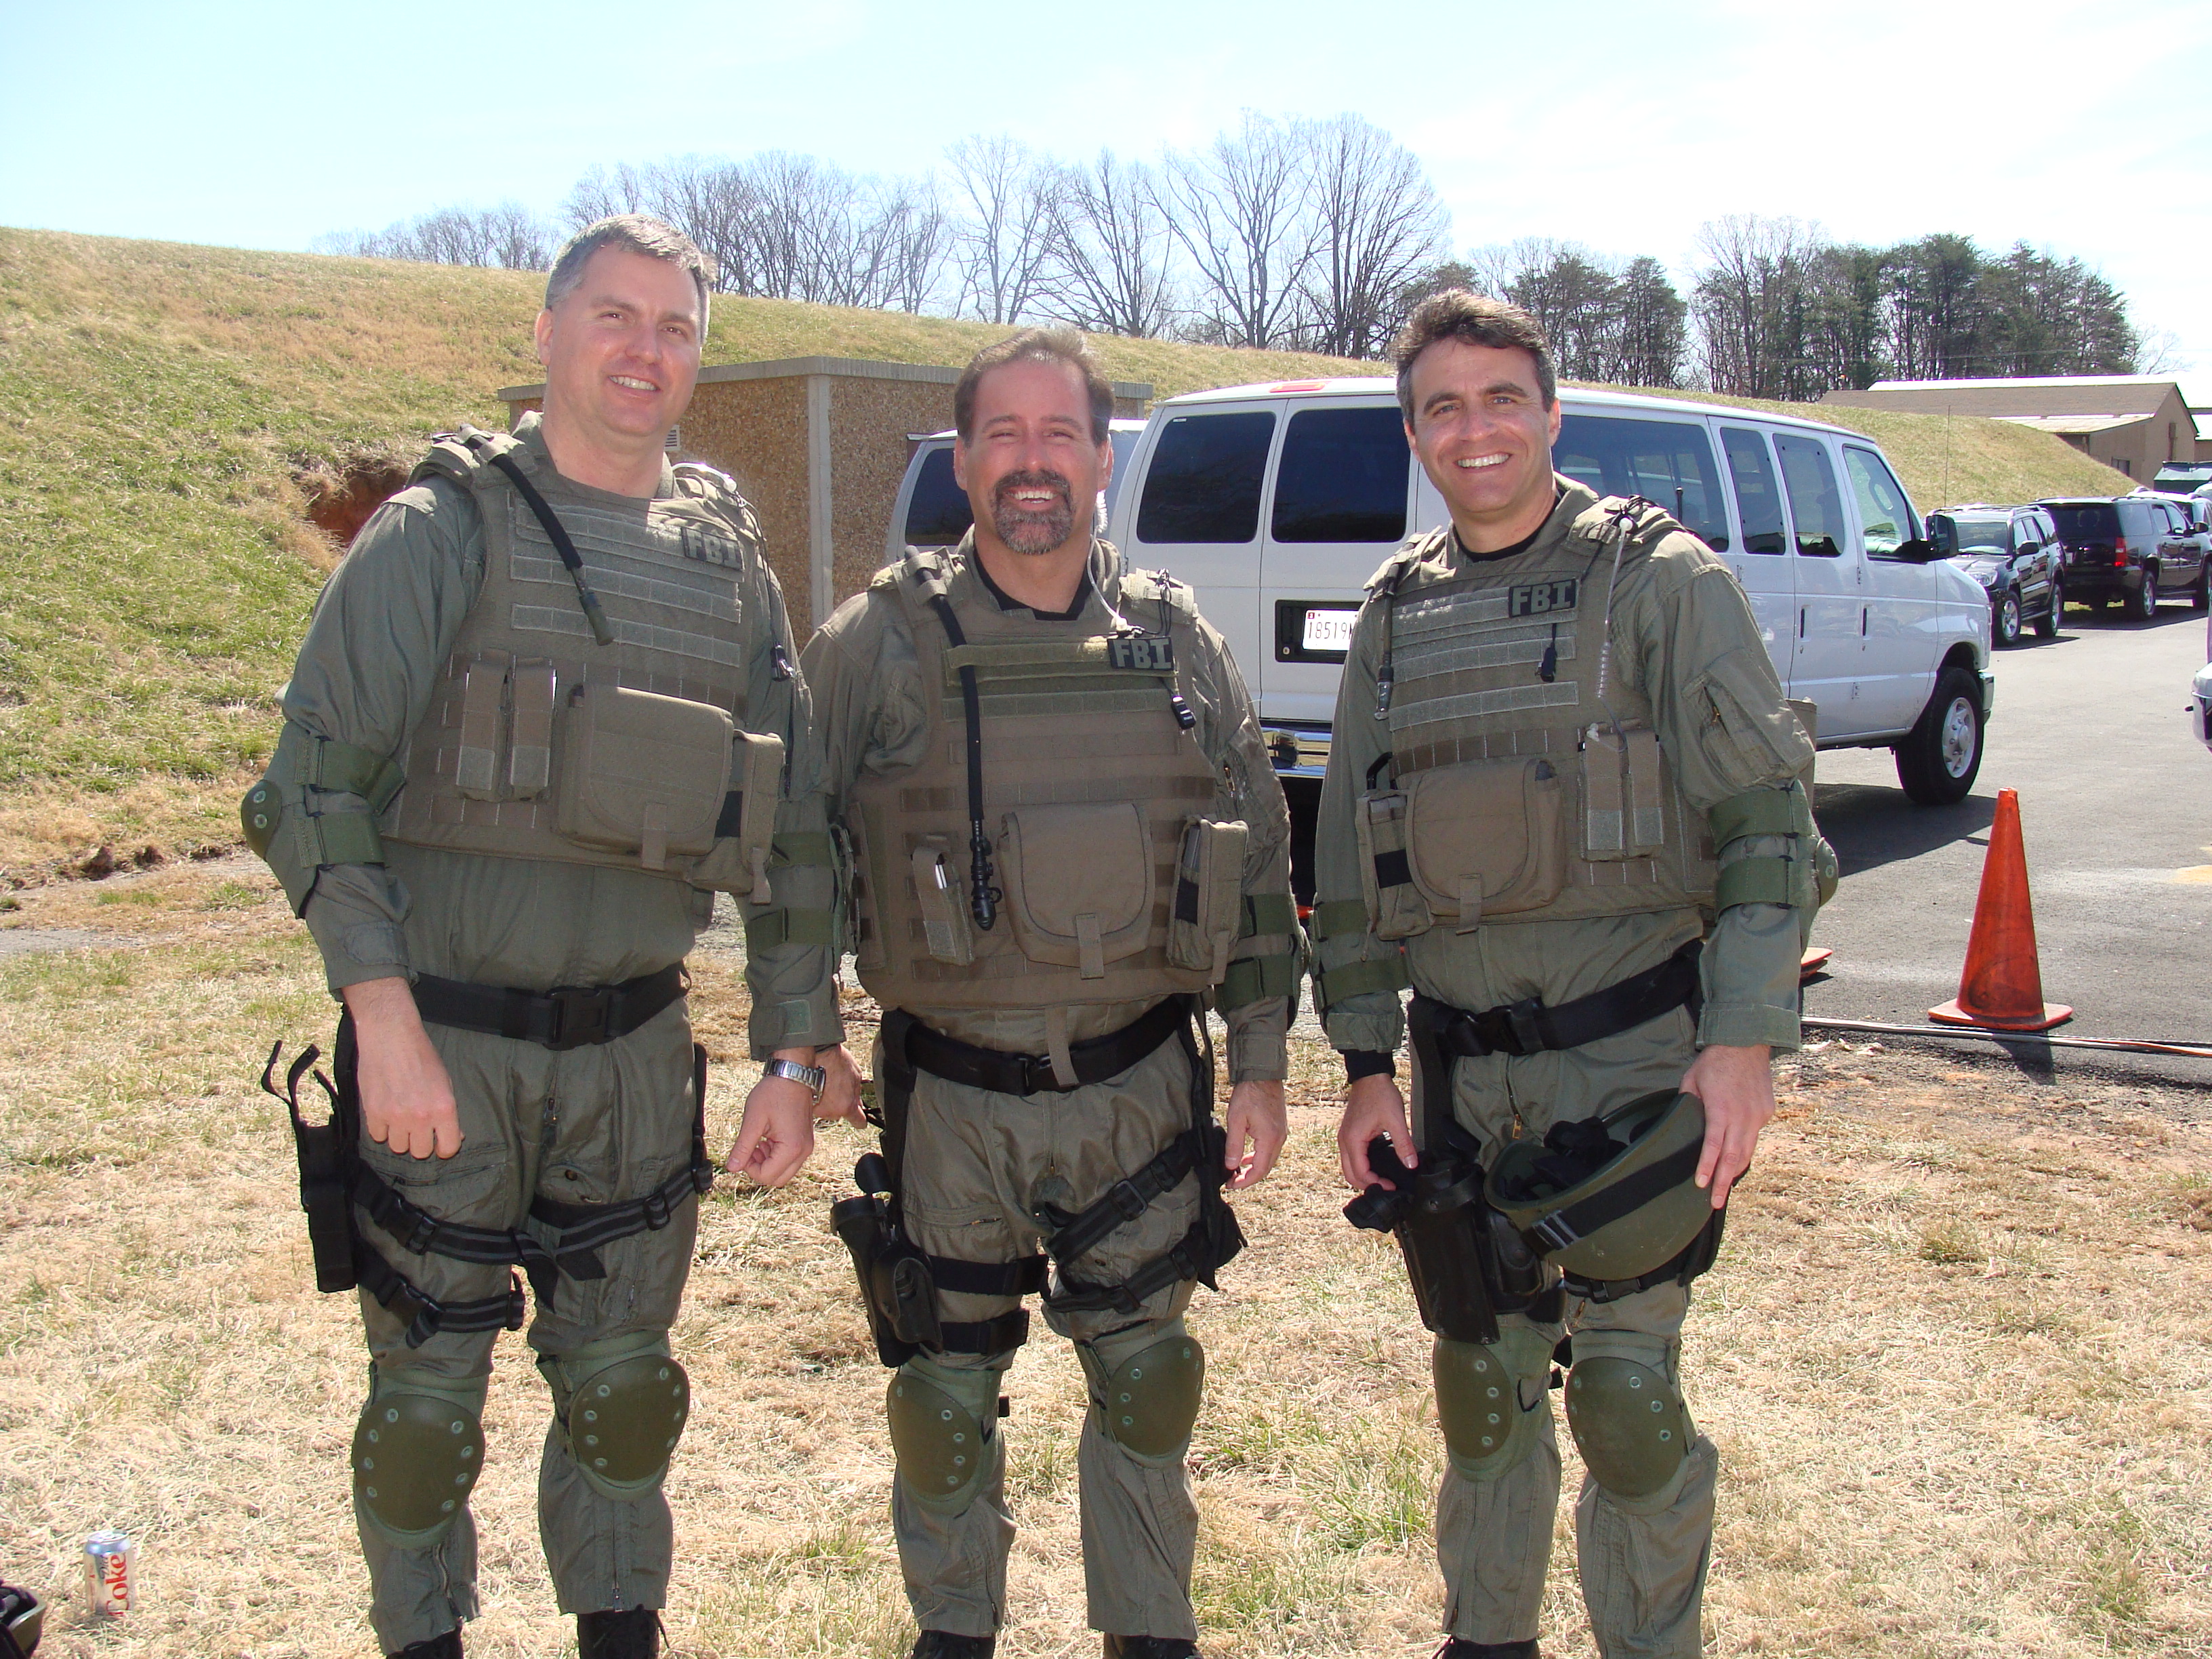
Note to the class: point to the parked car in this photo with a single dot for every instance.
(2133, 548)
(932, 511)
(2013, 552)
(2200, 697)
(1276, 502)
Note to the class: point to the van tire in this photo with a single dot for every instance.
(1938, 761)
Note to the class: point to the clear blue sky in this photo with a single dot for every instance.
(2085, 129)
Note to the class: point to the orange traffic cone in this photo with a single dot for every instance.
(2003, 984)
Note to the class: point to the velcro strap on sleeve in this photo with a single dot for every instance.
(1267, 913)
(1251, 979)
(1338, 918)
(1754, 881)
(1758, 812)
(342, 838)
(1359, 978)
(801, 847)
(790, 926)
(347, 768)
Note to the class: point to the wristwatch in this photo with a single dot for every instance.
(812, 1076)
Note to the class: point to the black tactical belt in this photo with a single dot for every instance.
(566, 1017)
(1528, 1027)
(1096, 1058)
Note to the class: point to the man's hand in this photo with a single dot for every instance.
(776, 1134)
(1372, 1107)
(1258, 1119)
(1737, 1085)
(406, 1099)
(840, 1089)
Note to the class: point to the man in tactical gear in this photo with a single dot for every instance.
(1066, 835)
(1562, 802)
(545, 710)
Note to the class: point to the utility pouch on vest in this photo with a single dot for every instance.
(1624, 812)
(1395, 908)
(1079, 883)
(745, 829)
(504, 748)
(1203, 921)
(1484, 839)
(944, 909)
(641, 772)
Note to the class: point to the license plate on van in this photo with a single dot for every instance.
(1328, 631)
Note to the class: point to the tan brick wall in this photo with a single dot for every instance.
(869, 421)
(756, 431)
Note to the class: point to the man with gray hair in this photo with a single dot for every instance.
(548, 707)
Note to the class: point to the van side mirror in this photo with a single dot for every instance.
(1918, 550)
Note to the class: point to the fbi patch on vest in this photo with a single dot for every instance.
(1538, 598)
(1147, 653)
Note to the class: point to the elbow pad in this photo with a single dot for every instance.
(283, 816)
(1803, 877)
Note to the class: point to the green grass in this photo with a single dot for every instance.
(156, 399)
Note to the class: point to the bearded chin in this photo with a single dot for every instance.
(1034, 533)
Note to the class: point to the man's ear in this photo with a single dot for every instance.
(543, 332)
(960, 462)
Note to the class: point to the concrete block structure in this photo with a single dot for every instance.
(2136, 423)
(818, 446)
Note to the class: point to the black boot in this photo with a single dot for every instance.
(629, 1633)
(1458, 1647)
(944, 1644)
(447, 1646)
(1150, 1647)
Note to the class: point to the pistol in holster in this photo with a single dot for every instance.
(328, 1153)
(1467, 1263)
(895, 1284)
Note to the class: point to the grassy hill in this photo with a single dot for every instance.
(156, 400)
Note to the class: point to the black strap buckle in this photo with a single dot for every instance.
(1508, 1029)
(577, 1015)
(656, 1209)
(1038, 1076)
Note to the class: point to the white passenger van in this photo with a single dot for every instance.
(1275, 504)
(932, 511)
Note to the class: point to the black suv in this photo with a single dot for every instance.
(2013, 552)
(2133, 548)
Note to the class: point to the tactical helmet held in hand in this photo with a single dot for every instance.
(1610, 1198)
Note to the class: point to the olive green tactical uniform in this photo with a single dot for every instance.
(1565, 849)
(1090, 788)
(386, 669)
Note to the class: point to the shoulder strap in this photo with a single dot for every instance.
(462, 455)
(713, 488)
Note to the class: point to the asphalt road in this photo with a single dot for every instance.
(2115, 808)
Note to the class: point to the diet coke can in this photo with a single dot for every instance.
(109, 1579)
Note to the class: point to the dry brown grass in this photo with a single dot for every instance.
(1955, 1359)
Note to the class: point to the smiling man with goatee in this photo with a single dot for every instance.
(1066, 840)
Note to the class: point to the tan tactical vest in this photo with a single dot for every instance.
(1115, 875)
(1514, 793)
(539, 742)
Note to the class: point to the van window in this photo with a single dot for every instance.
(1669, 462)
(1203, 484)
(938, 513)
(1816, 504)
(1342, 477)
(1883, 509)
(1758, 499)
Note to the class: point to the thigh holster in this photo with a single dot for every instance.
(335, 1183)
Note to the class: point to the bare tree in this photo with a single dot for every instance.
(1241, 209)
(507, 237)
(1376, 225)
(1113, 249)
(601, 194)
(1008, 198)
(1747, 302)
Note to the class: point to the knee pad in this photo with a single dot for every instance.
(621, 1405)
(1150, 1401)
(1491, 1398)
(418, 1451)
(939, 1441)
(1630, 1425)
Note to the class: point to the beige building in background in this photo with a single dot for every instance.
(818, 446)
(2136, 423)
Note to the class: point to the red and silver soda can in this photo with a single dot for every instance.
(110, 1581)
